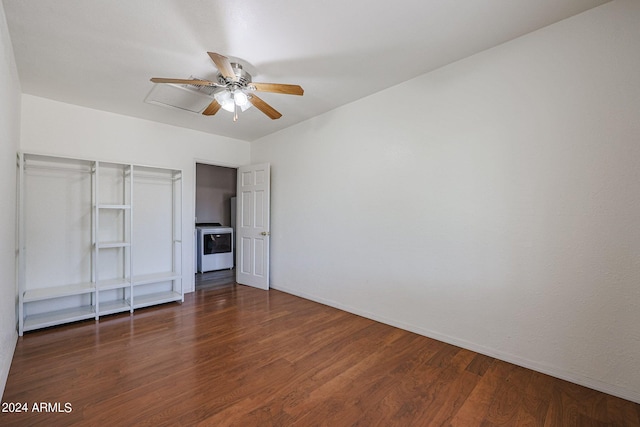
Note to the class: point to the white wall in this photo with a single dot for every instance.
(493, 203)
(51, 127)
(9, 138)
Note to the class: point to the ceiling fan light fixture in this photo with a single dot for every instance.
(231, 91)
(240, 98)
(228, 106)
(225, 100)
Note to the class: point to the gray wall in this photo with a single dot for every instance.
(215, 185)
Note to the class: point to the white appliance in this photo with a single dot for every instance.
(215, 247)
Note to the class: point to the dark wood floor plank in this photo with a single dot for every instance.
(476, 407)
(233, 355)
(480, 364)
(620, 413)
(531, 412)
(344, 392)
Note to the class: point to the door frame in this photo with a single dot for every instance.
(192, 227)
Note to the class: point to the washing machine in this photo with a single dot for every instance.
(215, 247)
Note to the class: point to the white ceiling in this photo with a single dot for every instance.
(100, 54)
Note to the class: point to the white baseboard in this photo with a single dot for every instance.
(516, 360)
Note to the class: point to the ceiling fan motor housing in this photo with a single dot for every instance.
(243, 79)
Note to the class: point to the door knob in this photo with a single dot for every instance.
(265, 233)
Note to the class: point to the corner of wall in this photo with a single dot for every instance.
(9, 142)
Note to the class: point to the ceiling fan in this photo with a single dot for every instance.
(235, 90)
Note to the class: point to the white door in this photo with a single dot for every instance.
(252, 226)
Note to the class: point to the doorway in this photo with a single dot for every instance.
(215, 207)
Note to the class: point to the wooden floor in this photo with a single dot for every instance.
(215, 279)
(234, 355)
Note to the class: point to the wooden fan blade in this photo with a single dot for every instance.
(264, 107)
(212, 108)
(278, 88)
(223, 65)
(184, 81)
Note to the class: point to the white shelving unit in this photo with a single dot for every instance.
(113, 190)
(86, 247)
(158, 237)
